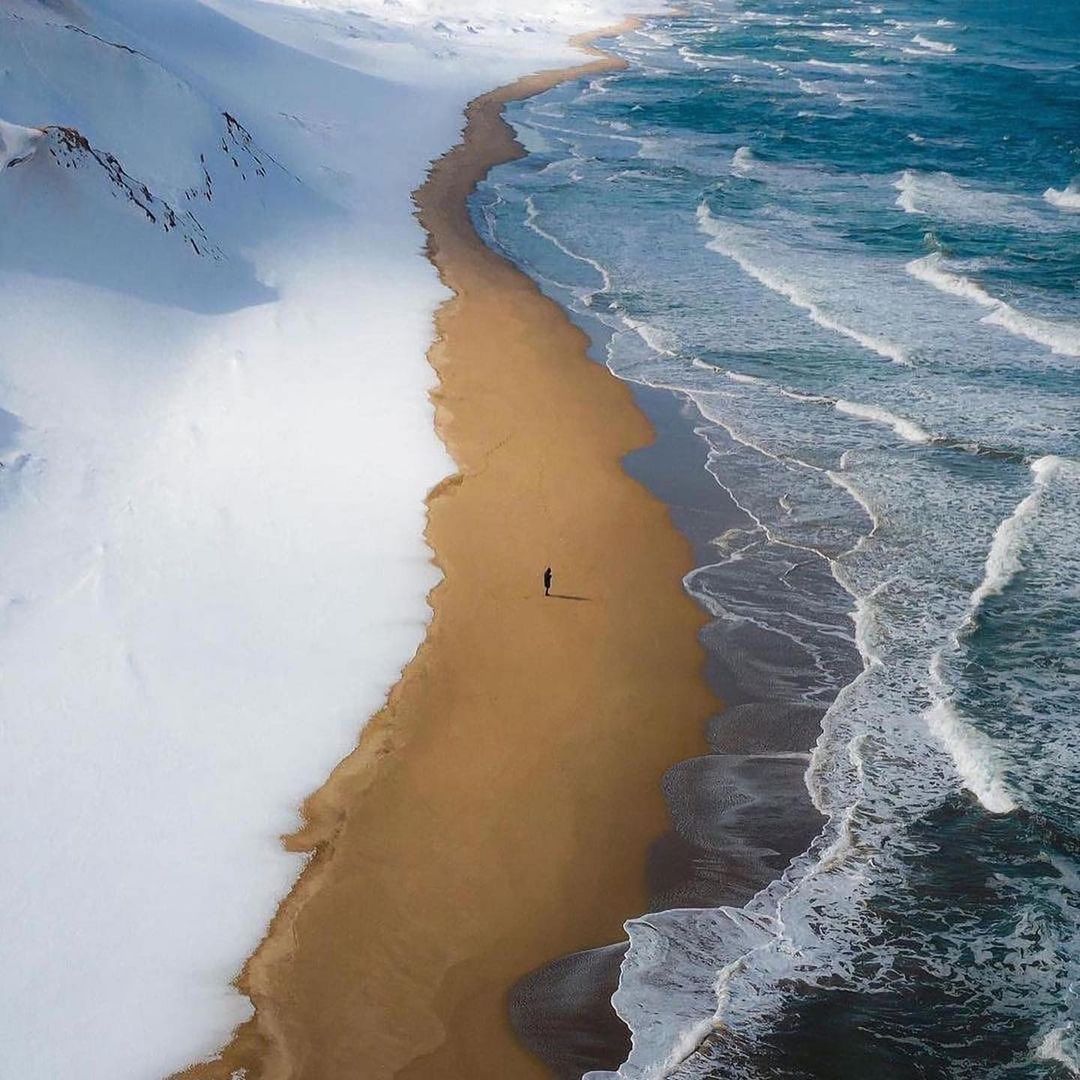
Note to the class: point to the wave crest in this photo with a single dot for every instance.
(720, 242)
(1067, 198)
(743, 160)
(942, 47)
(906, 429)
(974, 756)
(1059, 337)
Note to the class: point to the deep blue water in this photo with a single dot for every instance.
(846, 233)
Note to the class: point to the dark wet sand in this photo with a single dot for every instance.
(739, 813)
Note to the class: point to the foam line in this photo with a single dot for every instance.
(1059, 337)
(719, 243)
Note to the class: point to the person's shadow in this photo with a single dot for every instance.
(568, 596)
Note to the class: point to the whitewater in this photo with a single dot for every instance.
(834, 234)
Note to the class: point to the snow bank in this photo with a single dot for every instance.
(216, 441)
(17, 144)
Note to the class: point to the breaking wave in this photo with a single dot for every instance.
(933, 46)
(721, 243)
(1067, 198)
(1059, 337)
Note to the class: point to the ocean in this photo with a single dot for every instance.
(842, 240)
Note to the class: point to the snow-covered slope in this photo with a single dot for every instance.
(216, 440)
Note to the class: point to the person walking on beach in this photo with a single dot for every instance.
(547, 581)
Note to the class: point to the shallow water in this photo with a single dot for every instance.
(846, 235)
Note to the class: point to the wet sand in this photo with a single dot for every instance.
(499, 811)
(740, 812)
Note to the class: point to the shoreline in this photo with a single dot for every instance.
(498, 812)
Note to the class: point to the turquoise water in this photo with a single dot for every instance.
(846, 234)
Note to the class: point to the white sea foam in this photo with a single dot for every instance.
(1067, 198)
(721, 243)
(977, 759)
(658, 340)
(841, 480)
(814, 399)
(670, 1013)
(931, 270)
(1060, 1045)
(750, 380)
(531, 222)
(699, 60)
(743, 161)
(1059, 337)
(941, 194)
(847, 69)
(932, 45)
(906, 199)
(1004, 560)
(906, 429)
(974, 756)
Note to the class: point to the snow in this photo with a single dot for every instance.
(17, 144)
(216, 440)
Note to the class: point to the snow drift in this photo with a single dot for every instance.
(216, 441)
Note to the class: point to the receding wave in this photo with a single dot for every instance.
(660, 342)
(531, 222)
(720, 242)
(1059, 337)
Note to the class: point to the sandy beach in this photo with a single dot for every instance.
(327, 327)
(497, 813)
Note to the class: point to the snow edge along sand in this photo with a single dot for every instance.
(213, 498)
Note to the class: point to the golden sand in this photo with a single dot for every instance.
(497, 812)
